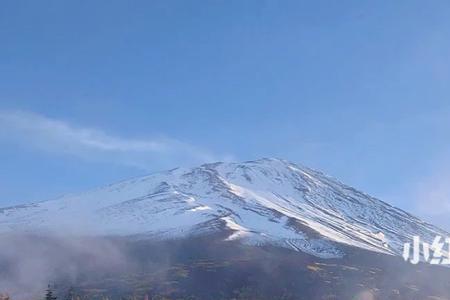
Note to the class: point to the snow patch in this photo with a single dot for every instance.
(198, 208)
(239, 231)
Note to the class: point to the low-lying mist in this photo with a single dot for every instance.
(28, 263)
(204, 267)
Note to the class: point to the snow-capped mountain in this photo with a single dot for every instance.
(264, 201)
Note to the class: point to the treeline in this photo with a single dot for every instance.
(243, 293)
(49, 295)
(70, 294)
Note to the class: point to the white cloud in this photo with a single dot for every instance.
(37, 131)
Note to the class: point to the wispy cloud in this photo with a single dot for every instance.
(40, 132)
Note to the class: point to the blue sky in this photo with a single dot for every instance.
(96, 91)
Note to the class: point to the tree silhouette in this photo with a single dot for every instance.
(49, 294)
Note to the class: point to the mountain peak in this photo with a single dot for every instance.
(268, 200)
